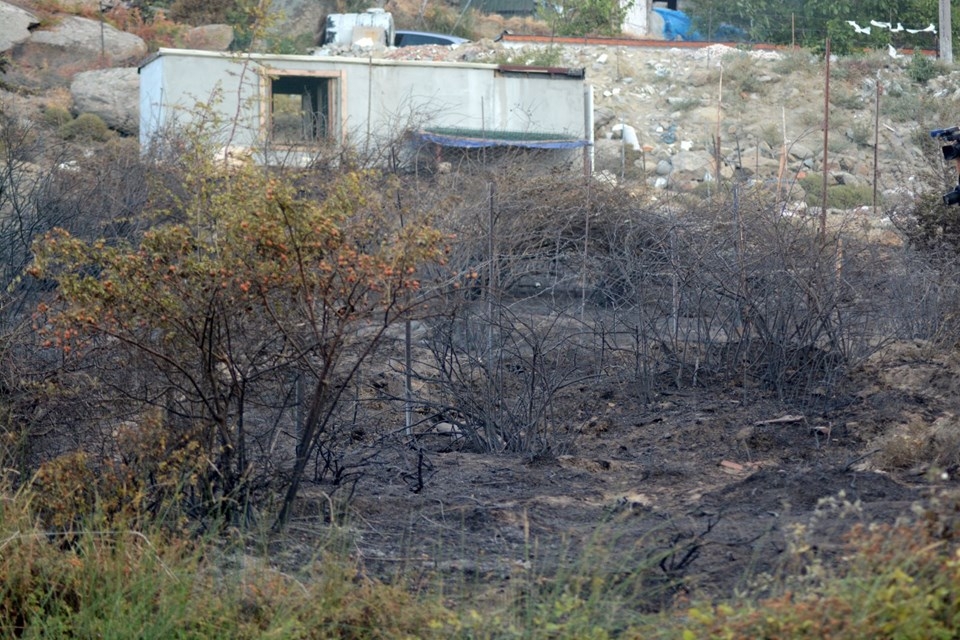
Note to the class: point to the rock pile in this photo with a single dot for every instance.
(658, 113)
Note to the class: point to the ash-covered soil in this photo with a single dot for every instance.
(702, 490)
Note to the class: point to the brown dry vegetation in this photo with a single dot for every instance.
(616, 404)
(679, 386)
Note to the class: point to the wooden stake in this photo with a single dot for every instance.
(716, 148)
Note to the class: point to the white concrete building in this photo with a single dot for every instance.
(286, 107)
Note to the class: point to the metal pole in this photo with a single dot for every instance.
(103, 44)
(876, 143)
(407, 383)
(588, 130)
(623, 151)
(586, 252)
(366, 143)
(826, 139)
(491, 270)
(492, 369)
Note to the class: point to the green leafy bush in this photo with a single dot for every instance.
(56, 116)
(922, 69)
(846, 100)
(584, 17)
(839, 196)
(86, 127)
(810, 23)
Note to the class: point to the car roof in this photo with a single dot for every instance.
(454, 39)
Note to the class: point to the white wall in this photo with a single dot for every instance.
(151, 112)
(637, 20)
(378, 98)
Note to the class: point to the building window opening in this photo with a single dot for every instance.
(301, 110)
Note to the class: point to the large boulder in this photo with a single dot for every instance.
(693, 166)
(112, 94)
(755, 165)
(15, 25)
(210, 37)
(800, 151)
(298, 17)
(84, 38)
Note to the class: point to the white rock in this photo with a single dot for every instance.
(626, 133)
(210, 37)
(16, 25)
(91, 36)
(605, 177)
(110, 94)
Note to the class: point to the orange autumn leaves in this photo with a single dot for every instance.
(248, 244)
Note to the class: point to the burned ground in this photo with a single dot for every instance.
(701, 491)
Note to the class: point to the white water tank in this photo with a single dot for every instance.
(346, 29)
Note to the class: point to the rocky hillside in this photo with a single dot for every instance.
(679, 101)
(659, 111)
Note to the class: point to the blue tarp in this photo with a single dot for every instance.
(677, 25)
(471, 139)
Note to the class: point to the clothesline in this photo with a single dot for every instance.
(931, 28)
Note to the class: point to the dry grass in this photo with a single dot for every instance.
(920, 444)
(113, 578)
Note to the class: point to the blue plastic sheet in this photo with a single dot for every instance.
(677, 25)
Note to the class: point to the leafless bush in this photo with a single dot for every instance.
(515, 335)
(689, 293)
(552, 284)
(498, 371)
(50, 402)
